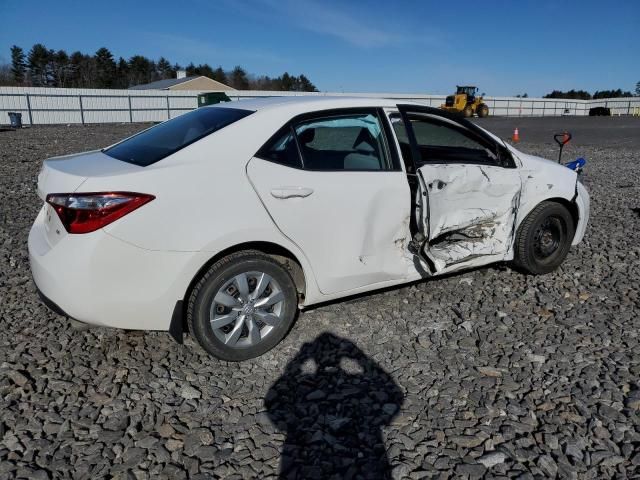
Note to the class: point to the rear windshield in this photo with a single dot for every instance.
(168, 137)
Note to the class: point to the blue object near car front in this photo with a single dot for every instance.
(577, 164)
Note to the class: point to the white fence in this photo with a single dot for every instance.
(40, 106)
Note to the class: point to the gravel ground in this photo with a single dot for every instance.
(486, 373)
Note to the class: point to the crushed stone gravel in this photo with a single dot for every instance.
(484, 373)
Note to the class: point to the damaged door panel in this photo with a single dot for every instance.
(470, 189)
(471, 212)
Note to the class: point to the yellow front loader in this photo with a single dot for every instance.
(467, 102)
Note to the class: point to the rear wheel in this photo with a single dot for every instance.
(242, 307)
(482, 110)
(544, 238)
(468, 111)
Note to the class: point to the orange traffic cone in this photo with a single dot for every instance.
(516, 135)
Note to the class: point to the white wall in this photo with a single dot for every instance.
(86, 105)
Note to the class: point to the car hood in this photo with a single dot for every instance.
(540, 164)
(533, 162)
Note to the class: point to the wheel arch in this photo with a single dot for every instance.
(570, 205)
(281, 254)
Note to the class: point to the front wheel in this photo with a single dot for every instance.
(483, 110)
(544, 238)
(468, 111)
(242, 307)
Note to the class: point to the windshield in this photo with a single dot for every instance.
(156, 143)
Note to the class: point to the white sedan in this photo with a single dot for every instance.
(225, 220)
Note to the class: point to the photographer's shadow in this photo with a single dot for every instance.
(332, 401)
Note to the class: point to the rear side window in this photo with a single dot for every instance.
(282, 149)
(160, 141)
(344, 142)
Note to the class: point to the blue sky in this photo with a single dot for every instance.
(504, 47)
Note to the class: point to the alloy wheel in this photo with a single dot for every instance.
(246, 309)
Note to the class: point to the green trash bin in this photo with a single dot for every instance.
(211, 98)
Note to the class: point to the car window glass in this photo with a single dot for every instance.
(344, 142)
(282, 149)
(156, 143)
(440, 142)
(401, 135)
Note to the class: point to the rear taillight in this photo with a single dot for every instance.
(87, 212)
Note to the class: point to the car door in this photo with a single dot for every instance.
(333, 186)
(471, 186)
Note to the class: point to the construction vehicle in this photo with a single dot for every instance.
(466, 101)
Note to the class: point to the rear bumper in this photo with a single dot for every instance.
(100, 280)
(50, 304)
(75, 324)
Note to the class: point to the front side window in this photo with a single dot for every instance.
(441, 142)
(156, 143)
(343, 142)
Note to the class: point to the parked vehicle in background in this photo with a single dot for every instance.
(599, 112)
(232, 217)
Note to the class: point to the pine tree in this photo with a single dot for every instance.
(18, 65)
(105, 68)
(39, 68)
(219, 75)
(190, 70)
(286, 82)
(122, 74)
(164, 69)
(307, 86)
(205, 70)
(139, 70)
(239, 78)
(75, 65)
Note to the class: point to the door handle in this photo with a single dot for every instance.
(291, 192)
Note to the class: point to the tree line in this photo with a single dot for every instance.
(584, 95)
(43, 67)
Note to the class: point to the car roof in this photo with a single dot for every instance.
(299, 103)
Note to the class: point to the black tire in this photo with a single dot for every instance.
(482, 110)
(467, 112)
(201, 304)
(544, 238)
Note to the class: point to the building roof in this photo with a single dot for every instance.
(161, 84)
(166, 84)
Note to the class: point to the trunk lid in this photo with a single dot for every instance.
(67, 173)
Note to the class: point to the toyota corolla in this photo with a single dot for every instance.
(224, 221)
